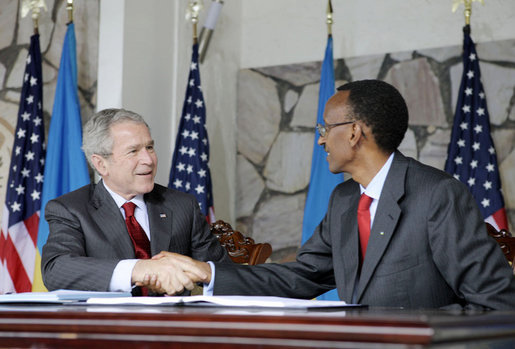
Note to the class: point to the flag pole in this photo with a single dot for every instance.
(69, 9)
(329, 19)
(35, 19)
(468, 9)
(194, 8)
(34, 7)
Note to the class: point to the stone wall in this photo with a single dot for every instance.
(15, 35)
(277, 109)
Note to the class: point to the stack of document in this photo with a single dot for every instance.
(58, 296)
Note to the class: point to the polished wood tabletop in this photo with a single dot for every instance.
(78, 326)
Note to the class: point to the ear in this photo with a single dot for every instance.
(100, 164)
(357, 134)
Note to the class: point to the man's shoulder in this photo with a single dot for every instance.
(422, 177)
(75, 201)
(417, 170)
(82, 193)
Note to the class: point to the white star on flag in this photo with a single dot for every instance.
(35, 195)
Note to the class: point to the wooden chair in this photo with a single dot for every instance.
(240, 248)
(506, 241)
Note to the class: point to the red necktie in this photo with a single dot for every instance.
(364, 222)
(136, 232)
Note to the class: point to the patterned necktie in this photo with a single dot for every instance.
(364, 223)
(136, 232)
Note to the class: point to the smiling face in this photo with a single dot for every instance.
(131, 167)
(336, 141)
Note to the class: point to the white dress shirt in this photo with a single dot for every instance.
(375, 187)
(122, 274)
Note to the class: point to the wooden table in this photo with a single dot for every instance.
(58, 326)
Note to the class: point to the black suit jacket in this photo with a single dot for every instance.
(88, 235)
(428, 248)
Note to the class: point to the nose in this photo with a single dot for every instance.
(146, 156)
(321, 140)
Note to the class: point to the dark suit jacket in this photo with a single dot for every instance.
(88, 235)
(428, 248)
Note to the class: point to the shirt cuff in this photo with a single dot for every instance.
(122, 275)
(209, 289)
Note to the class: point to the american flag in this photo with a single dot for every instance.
(190, 171)
(471, 157)
(20, 220)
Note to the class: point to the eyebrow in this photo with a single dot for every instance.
(139, 145)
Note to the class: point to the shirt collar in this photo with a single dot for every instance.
(375, 186)
(119, 200)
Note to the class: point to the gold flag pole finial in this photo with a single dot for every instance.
(468, 8)
(69, 9)
(192, 12)
(329, 19)
(34, 6)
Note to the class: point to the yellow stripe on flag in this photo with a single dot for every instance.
(37, 284)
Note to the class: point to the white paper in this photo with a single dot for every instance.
(225, 301)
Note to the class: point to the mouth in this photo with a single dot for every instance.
(144, 174)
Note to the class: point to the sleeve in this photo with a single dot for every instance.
(64, 261)
(205, 245)
(470, 261)
(309, 276)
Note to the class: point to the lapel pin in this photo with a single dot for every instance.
(381, 233)
(162, 215)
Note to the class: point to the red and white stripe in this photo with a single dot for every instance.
(499, 220)
(18, 244)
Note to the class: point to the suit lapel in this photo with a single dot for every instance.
(160, 221)
(385, 221)
(110, 221)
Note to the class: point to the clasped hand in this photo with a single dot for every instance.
(170, 273)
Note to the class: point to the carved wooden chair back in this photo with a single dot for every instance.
(506, 241)
(240, 248)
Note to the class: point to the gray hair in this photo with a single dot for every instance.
(97, 137)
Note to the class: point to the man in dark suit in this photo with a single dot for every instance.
(427, 243)
(92, 247)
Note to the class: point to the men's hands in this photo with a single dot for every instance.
(170, 273)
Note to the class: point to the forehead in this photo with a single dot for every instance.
(128, 133)
(337, 108)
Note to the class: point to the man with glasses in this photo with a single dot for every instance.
(398, 234)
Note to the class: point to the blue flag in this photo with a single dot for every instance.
(23, 195)
(471, 155)
(65, 167)
(322, 181)
(190, 170)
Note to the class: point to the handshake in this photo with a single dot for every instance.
(170, 273)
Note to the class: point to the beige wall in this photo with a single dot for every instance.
(143, 63)
(257, 33)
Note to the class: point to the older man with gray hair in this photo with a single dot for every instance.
(102, 236)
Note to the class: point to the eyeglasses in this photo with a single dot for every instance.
(324, 129)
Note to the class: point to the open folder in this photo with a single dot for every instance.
(223, 301)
